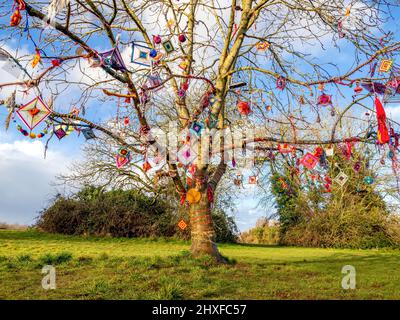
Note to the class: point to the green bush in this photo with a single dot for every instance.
(352, 227)
(120, 213)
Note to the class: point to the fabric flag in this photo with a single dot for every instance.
(383, 132)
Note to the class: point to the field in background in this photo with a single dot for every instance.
(104, 268)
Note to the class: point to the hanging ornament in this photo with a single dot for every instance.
(383, 132)
(34, 112)
(193, 196)
(196, 128)
(123, 157)
(113, 59)
(281, 83)
(182, 224)
(243, 108)
(157, 39)
(341, 178)
(60, 132)
(141, 55)
(16, 18)
(262, 46)
(368, 180)
(324, 100)
(358, 89)
(285, 148)
(146, 166)
(357, 166)
(36, 58)
(309, 161)
(374, 87)
(182, 38)
(126, 121)
(253, 180)
(168, 47)
(88, 133)
(329, 151)
(385, 65)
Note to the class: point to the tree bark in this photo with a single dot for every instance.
(202, 230)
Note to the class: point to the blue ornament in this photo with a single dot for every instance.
(369, 180)
(153, 53)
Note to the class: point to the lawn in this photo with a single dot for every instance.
(104, 268)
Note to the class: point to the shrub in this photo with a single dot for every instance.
(353, 227)
(120, 213)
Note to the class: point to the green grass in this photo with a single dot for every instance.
(104, 268)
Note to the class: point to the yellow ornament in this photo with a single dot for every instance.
(193, 196)
(36, 59)
(32, 135)
(170, 23)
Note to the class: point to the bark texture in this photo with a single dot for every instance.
(202, 230)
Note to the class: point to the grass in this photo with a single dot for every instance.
(104, 268)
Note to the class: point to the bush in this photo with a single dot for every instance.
(353, 227)
(120, 213)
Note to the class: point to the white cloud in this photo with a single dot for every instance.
(25, 179)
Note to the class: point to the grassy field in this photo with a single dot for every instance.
(103, 268)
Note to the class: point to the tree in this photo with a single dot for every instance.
(191, 61)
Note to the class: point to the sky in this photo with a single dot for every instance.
(27, 179)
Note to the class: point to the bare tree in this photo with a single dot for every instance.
(191, 61)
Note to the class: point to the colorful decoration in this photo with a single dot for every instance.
(281, 83)
(168, 47)
(31, 135)
(186, 155)
(383, 132)
(182, 38)
(193, 196)
(88, 133)
(196, 128)
(262, 46)
(368, 180)
(358, 89)
(341, 178)
(385, 65)
(324, 100)
(243, 108)
(16, 18)
(157, 39)
(182, 224)
(36, 58)
(253, 180)
(329, 151)
(60, 132)
(309, 161)
(374, 87)
(113, 59)
(141, 55)
(285, 148)
(33, 113)
(123, 157)
(146, 166)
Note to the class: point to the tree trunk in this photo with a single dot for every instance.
(202, 230)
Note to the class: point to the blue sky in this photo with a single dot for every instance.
(26, 177)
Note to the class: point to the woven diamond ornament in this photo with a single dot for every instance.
(141, 55)
(113, 59)
(186, 155)
(309, 161)
(34, 112)
(341, 178)
(182, 224)
(385, 65)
